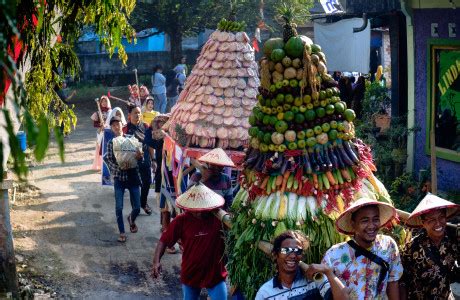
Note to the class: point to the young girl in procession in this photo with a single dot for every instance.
(148, 114)
(107, 136)
(143, 94)
(134, 97)
(105, 106)
(116, 111)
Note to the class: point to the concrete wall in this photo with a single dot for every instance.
(100, 68)
(447, 170)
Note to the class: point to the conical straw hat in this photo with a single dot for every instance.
(217, 157)
(428, 204)
(343, 223)
(200, 198)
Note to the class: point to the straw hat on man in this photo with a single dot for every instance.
(429, 258)
(201, 236)
(212, 174)
(369, 263)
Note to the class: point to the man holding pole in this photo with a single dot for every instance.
(211, 174)
(200, 231)
(369, 264)
(290, 282)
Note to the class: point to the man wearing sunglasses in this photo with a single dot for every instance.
(290, 282)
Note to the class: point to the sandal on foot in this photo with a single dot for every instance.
(132, 225)
(147, 209)
(122, 238)
(171, 250)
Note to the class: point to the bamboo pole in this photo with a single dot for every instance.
(119, 99)
(99, 112)
(267, 247)
(137, 83)
(224, 217)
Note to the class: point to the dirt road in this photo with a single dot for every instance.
(68, 231)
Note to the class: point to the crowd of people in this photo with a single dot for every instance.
(351, 91)
(146, 114)
(369, 265)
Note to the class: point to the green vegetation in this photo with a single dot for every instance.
(48, 31)
(180, 18)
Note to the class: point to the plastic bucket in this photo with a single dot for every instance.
(22, 139)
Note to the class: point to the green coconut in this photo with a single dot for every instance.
(271, 44)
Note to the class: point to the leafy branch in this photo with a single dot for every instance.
(43, 34)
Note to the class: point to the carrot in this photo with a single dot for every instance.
(345, 174)
(264, 182)
(315, 180)
(279, 180)
(286, 175)
(371, 166)
(283, 186)
(330, 178)
(299, 190)
(285, 179)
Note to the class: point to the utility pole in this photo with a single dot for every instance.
(8, 276)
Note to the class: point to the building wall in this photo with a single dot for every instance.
(150, 43)
(447, 170)
(100, 68)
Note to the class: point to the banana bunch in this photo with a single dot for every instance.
(227, 25)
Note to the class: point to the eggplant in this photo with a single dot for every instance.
(339, 158)
(251, 158)
(260, 162)
(298, 160)
(278, 162)
(320, 159)
(314, 163)
(307, 165)
(332, 156)
(343, 154)
(350, 152)
(284, 165)
(326, 158)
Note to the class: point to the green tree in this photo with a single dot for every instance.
(47, 31)
(37, 37)
(179, 18)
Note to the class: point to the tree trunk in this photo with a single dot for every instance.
(8, 277)
(176, 46)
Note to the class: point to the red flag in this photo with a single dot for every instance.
(255, 44)
(108, 94)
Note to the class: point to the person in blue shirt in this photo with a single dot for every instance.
(159, 89)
